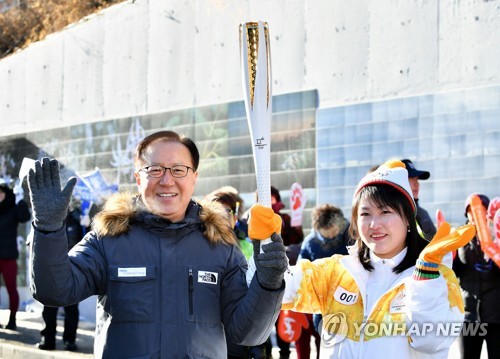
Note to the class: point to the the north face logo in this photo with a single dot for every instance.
(207, 277)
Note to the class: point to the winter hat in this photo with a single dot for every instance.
(485, 201)
(392, 173)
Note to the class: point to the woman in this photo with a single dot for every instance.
(232, 202)
(11, 214)
(386, 298)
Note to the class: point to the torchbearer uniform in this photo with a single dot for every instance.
(339, 285)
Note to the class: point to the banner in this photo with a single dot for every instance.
(298, 201)
(93, 188)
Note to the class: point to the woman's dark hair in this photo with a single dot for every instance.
(276, 193)
(225, 198)
(166, 136)
(387, 196)
(326, 216)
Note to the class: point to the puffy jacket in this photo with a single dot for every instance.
(339, 288)
(315, 246)
(165, 290)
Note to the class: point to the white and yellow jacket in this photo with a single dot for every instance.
(377, 314)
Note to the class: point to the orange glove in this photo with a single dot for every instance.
(443, 242)
(290, 325)
(263, 222)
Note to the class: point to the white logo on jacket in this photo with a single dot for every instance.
(132, 272)
(345, 297)
(207, 277)
(398, 303)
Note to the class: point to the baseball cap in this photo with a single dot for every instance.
(413, 172)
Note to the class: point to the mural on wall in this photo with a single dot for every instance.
(100, 154)
(123, 158)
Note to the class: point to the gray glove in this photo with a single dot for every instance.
(272, 264)
(49, 203)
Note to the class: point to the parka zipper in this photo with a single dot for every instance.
(190, 290)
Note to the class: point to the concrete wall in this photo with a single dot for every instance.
(149, 56)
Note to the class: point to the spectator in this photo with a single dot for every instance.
(168, 274)
(291, 235)
(391, 276)
(232, 203)
(480, 282)
(329, 234)
(74, 231)
(13, 210)
(424, 221)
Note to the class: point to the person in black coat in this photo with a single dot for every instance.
(480, 284)
(12, 212)
(75, 232)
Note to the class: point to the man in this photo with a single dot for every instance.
(424, 221)
(168, 274)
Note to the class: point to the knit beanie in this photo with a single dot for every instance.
(392, 173)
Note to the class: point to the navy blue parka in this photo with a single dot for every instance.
(165, 290)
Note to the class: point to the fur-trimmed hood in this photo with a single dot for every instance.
(123, 208)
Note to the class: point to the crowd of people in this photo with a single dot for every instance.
(176, 275)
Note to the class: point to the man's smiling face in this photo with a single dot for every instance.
(167, 196)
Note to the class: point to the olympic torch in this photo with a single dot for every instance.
(256, 71)
(482, 229)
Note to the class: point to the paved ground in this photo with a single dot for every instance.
(21, 344)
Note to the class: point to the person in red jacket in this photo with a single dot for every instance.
(13, 210)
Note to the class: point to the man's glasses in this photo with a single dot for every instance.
(157, 171)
